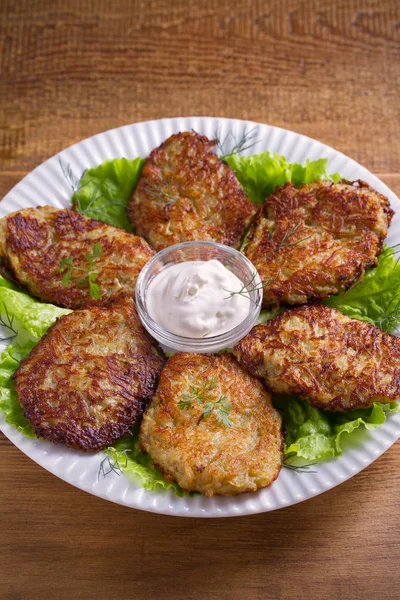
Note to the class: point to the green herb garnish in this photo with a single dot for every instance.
(285, 242)
(115, 462)
(203, 397)
(8, 323)
(90, 209)
(305, 468)
(67, 265)
(246, 288)
(391, 313)
(92, 206)
(69, 175)
(161, 192)
(236, 145)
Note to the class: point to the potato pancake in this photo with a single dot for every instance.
(212, 427)
(318, 239)
(331, 361)
(89, 379)
(34, 241)
(186, 193)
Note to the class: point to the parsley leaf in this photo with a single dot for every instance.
(203, 397)
(67, 265)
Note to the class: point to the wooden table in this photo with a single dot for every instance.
(70, 69)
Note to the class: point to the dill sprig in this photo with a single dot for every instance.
(161, 191)
(391, 313)
(95, 197)
(77, 186)
(69, 175)
(100, 210)
(390, 251)
(236, 144)
(74, 181)
(8, 323)
(67, 266)
(202, 396)
(298, 469)
(247, 288)
(113, 463)
(289, 233)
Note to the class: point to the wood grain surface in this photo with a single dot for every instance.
(70, 69)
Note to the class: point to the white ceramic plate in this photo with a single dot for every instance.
(47, 185)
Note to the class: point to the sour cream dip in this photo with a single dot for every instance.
(197, 299)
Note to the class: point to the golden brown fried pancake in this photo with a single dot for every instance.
(187, 193)
(33, 242)
(89, 379)
(199, 451)
(318, 239)
(326, 358)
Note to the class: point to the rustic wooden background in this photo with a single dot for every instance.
(73, 68)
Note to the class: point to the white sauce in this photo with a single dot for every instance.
(191, 299)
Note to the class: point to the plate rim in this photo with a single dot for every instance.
(203, 118)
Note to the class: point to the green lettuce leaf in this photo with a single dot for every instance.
(260, 174)
(104, 191)
(314, 435)
(7, 284)
(30, 319)
(126, 453)
(35, 317)
(9, 403)
(267, 314)
(376, 298)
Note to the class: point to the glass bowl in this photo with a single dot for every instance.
(188, 251)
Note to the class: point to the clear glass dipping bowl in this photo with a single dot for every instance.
(179, 253)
